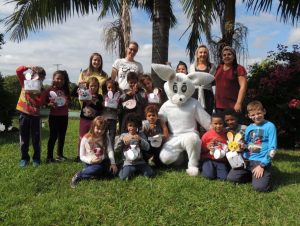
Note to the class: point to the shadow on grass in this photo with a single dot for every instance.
(283, 157)
(280, 179)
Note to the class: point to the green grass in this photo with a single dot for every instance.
(42, 196)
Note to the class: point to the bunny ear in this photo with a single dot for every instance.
(155, 91)
(110, 94)
(237, 137)
(230, 136)
(28, 76)
(117, 95)
(52, 94)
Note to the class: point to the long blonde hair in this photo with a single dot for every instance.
(100, 122)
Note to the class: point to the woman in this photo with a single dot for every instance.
(231, 82)
(202, 64)
(122, 67)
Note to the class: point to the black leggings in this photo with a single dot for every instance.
(58, 127)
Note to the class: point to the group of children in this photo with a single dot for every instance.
(141, 132)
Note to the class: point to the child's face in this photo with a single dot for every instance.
(99, 130)
(111, 87)
(93, 87)
(132, 84)
(58, 80)
(151, 117)
(217, 124)
(231, 121)
(257, 116)
(131, 127)
(181, 69)
(96, 62)
(148, 85)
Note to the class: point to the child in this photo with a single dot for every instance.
(213, 154)
(58, 98)
(261, 139)
(157, 133)
(231, 120)
(133, 100)
(29, 107)
(96, 152)
(154, 95)
(182, 68)
(90, 108)
(94, 70)
(111, 93)
(132, 144)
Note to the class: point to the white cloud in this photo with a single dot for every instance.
(294, 36)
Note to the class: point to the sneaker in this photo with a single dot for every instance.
(36, 163)
(75, 180)
(23, 163)
(50, 160)
(61, 158)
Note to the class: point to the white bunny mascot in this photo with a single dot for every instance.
(182, 114)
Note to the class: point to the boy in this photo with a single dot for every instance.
(157, 133)
(214, 166)
(29, 107)
(133, 100)
(261, 140)
(231, 120)
(132, 144)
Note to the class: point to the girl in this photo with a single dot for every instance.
(94, 70)
(90, 108)
(58, 98)
(132, 144)
(96, 152)
(111, 93)
(203, 64)
(154, 95)
(181, 68)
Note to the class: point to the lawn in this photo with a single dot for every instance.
(42, 196)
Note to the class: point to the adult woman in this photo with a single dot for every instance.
(231, 82)
(122, 67)
(203, 64)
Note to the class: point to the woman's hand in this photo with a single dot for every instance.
(238, 107)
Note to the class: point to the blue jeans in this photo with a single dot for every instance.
(95, 170)
(212, 169)
(128, 171)
(245, 175)
(30, 126)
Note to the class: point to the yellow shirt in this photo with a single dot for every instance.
(101, 78)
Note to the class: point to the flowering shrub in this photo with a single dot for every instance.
(276, 83)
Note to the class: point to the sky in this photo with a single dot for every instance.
(68, 46)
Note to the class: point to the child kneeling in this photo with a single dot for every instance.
(261, 140)
(132, 144)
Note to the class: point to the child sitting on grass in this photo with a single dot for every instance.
(214, 162)
(96, 152)
(261, 140)
(133, 143)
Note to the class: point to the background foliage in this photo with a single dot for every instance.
(276, 82)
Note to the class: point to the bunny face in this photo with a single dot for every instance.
(112, 100)
(234, 141)
(180, 87)
(84, 94)
(32, 82)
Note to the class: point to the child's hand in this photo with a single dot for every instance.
(95, 160)
(258, 172)
(126, 140)
(211, 147)
(136, 137)
(113, 168)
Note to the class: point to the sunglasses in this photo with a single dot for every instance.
(133, 50)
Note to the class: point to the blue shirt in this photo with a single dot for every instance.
(260, 140)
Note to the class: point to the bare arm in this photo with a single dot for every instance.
(242, 93)
(114, 73)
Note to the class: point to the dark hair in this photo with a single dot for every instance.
(110, 81)
(40, 71)
(132, 76)
(230, 111)
(218, 115)
(66, 83)
(234, 63)
(134, 43)
(93, 79)
(91, 69)
(133, 118)
(183, 64)
(151, 108)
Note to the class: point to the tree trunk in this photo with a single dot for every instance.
(229, 23)
(126, 27)
(160, 36)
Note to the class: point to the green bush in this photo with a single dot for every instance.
(275, 82)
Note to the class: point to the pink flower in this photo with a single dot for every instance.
(294, 103)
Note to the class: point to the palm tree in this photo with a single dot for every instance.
(203, 13)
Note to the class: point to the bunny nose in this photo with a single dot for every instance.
(180, 99)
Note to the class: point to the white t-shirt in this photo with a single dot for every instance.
(123, 67)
